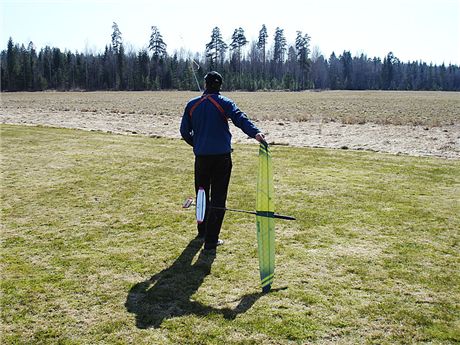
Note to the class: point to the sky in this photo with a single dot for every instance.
(414, 30)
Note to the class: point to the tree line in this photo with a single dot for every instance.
(260, 65)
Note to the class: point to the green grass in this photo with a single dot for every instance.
(96, 248)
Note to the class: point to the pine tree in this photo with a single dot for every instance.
(11, 65)
(319, 70)
(335, 80)
(118, 49)
(347, 69)
(388, 71)
(262, 42)
(144, 70)
(302, 44)
(280, 46)
(238, 41)
(34, 67)
(121, 67)
(157, 44)
(116, 37)
(215, 50)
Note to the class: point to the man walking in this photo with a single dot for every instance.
(205, 127)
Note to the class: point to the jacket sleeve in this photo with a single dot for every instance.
(240, 119)
(186, 130)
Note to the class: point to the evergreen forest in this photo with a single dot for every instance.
(269, 63)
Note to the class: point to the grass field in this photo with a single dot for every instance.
(97, 250)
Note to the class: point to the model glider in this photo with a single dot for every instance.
(265, 216)
(265, 219)
(201, 205)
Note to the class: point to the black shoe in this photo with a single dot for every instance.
(208, 246)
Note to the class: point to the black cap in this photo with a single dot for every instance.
(213, 79)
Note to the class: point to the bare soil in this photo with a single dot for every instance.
(311, 131)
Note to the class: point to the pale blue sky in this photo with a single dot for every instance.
(427, 30)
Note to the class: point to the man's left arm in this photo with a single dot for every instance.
(241, 121)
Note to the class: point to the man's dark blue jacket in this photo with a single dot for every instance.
(205, 124)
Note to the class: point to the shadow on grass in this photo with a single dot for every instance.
(167, 294)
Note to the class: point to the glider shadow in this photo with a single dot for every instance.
(167, 294)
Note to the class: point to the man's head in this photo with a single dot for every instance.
(213, 81)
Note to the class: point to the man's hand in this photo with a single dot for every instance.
(260, 137)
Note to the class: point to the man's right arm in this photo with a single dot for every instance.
(186, 130)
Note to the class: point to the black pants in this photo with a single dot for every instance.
(213, 174)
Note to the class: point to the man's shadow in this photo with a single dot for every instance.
(167, 294)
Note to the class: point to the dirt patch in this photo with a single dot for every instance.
(87, 114)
